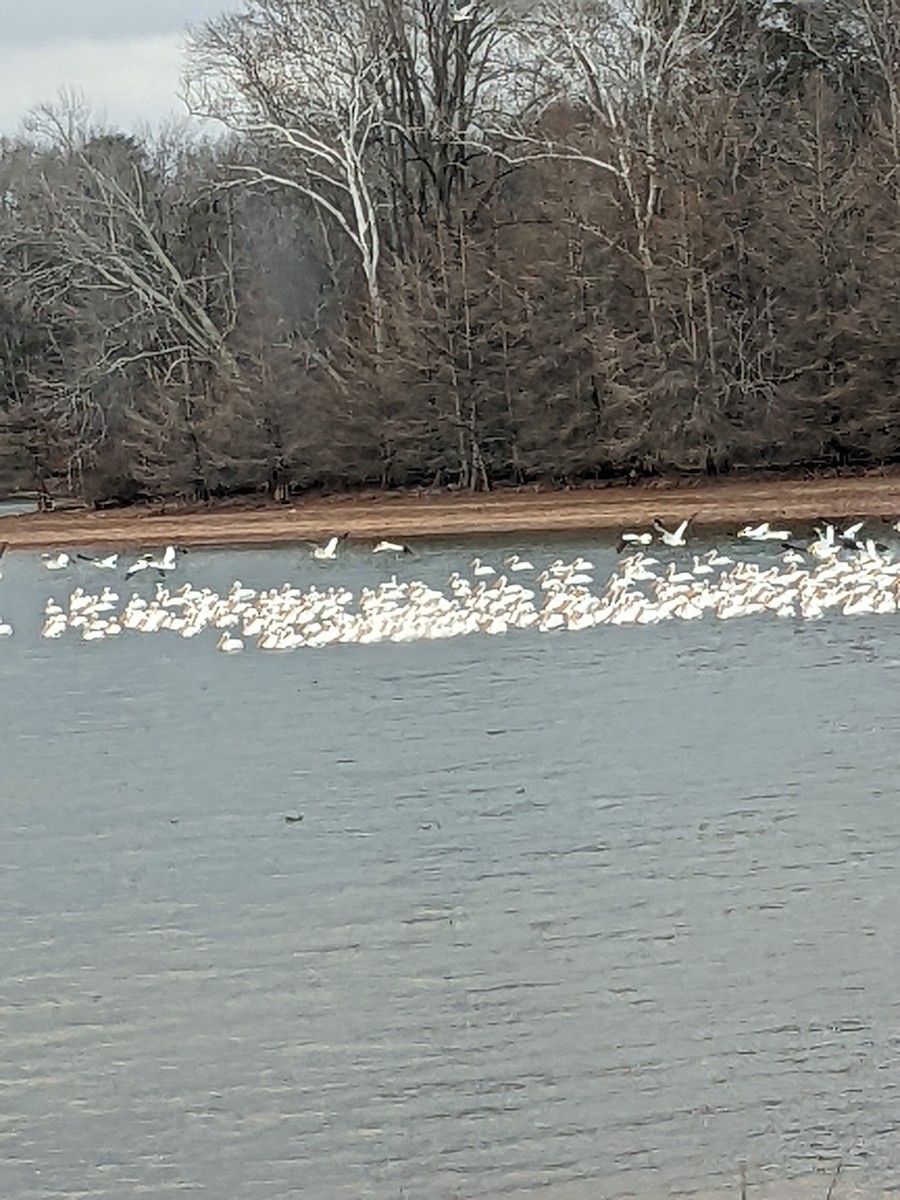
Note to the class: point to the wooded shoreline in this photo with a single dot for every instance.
(712, 504)
(586, 243)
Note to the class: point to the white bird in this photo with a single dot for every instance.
(480, 568)
(5, 629)
(140, 564)
(463, 12)
(849, 536)
(672, 539)
(56, 562)
(103, 564)
(754, 532)
(169, 560)
(228, 644)
(391, 547)
(328, 551)
(764, 533)
(517, 564)
(824, 545)
(637, 539)
(673, 575)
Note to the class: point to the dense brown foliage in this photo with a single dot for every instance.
(567, 245)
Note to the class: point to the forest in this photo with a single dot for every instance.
(421, 243)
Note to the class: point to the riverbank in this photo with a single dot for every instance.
(713, 505)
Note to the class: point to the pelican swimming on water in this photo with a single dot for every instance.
(517, 564)
(635, 539)
(56, 562)
(480, 568)
(764, 533)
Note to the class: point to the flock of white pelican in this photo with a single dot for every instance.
(831, 571)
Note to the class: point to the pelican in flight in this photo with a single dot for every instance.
(140, 564)
(850, 536)
(672, 539)
(328, 551)
(103, 564)
(391, 548)
(168, 562)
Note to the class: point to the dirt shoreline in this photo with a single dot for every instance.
(713, 504)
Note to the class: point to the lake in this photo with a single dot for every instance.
(576, 915)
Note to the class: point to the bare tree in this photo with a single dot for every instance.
(303, 85)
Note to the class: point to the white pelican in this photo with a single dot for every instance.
(390, 548)
(824, 544)
(140, 564)
(672, 539)
(636, 539)
(480, 568)
(764, 533)
(56, 562)
(228, 644)
(517, 564)
(851, 532)
(168, 562)
(328, 551)
(103, 564)
(673, 575)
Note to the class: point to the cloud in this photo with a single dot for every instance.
(40, 22)
(127, 82)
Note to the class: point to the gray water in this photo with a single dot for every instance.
(579, 915)
(11, 508)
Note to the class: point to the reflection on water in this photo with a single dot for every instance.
(9, 508)
(584, 915)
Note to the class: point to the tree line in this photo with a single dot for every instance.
(464, 246)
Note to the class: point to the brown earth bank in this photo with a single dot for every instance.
(713, 505)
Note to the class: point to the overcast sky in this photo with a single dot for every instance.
(123, 55)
